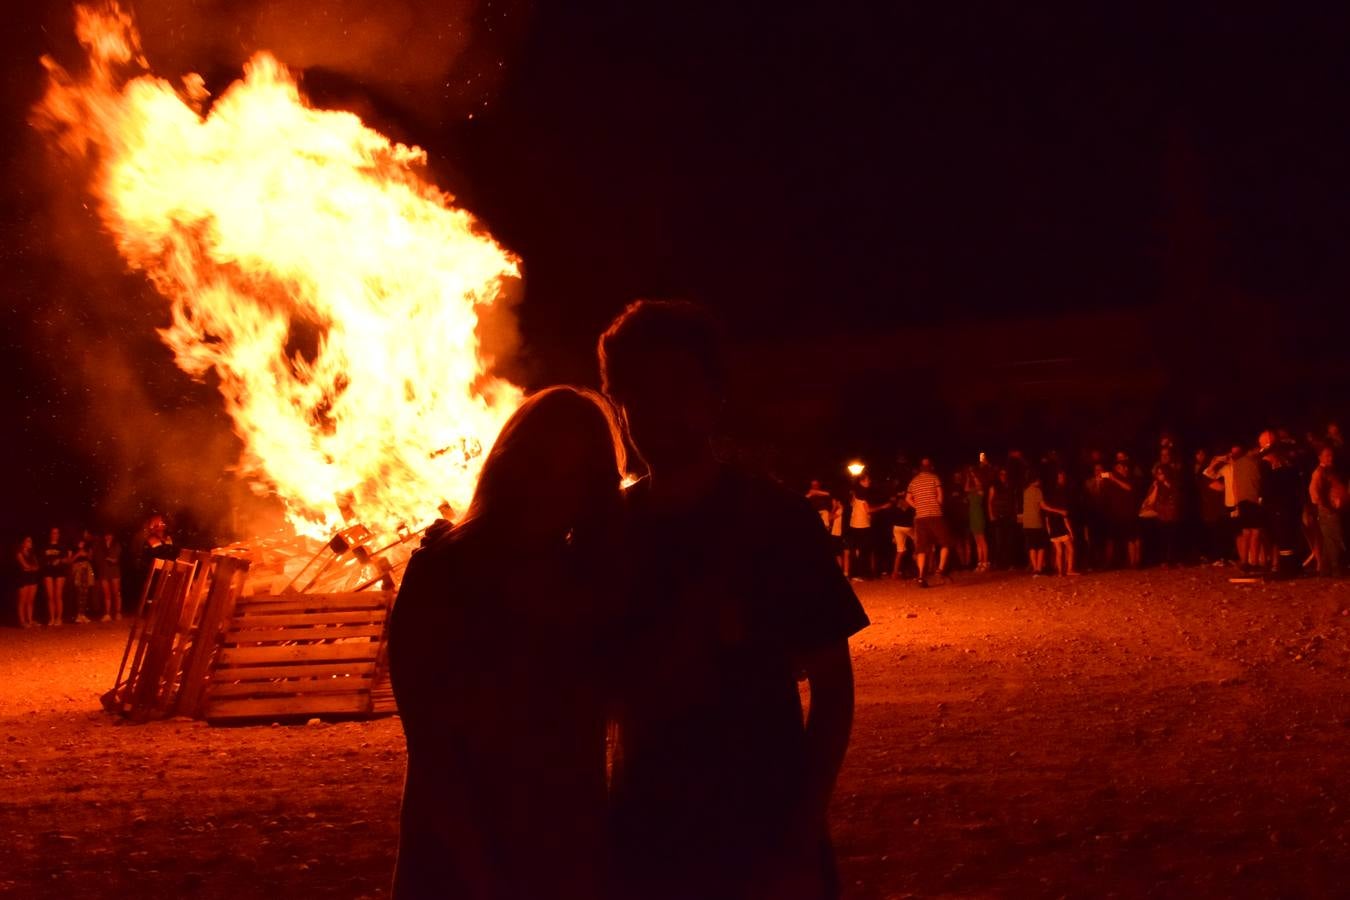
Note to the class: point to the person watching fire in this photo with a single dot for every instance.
(720, 790)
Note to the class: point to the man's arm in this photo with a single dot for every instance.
(829, 721)
(1120, 482)
(1315, 487)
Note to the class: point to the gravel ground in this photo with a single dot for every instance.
(1129, 734)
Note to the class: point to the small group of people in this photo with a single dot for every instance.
(1275, 506)
(89, 571)
(81, 581)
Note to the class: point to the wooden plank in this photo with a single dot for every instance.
(289, 706)
(227, 580)
(316, 602)
(272, 635)
(149, 692)
(253, 619)
(362, 650)
(299, 670)
(291, 686)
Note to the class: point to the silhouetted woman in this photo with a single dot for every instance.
(497, 650)
(55, 568)
(30, 571)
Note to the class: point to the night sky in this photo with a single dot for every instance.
(821, 174)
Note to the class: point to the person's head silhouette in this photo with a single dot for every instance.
(554, 467)
(662, 364)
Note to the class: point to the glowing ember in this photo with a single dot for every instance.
(334, 293)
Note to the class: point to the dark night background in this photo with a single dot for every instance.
(928, 227)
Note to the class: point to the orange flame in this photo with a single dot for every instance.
(332, 290)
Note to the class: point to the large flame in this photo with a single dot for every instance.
(334, 292)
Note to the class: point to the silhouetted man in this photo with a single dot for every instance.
(719, 789)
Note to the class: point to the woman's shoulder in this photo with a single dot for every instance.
(451, 561)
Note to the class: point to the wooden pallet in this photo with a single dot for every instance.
(302, 655)
(173, 637)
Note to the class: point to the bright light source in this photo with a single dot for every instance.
(855, 469)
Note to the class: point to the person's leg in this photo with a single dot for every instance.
(1333, 544)
(81, 601)
(1069, 557)
(1219, 540)
(920, 560)
(48, 589)
(116, 583)
(982, 550)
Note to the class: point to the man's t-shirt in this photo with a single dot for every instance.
(1031, 508)
(725, 597)
(859, 515)
(926, 494)
(1246, 476)
(1121, 504)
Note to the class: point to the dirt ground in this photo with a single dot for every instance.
(1150, 734)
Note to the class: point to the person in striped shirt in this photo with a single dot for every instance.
(930, 527)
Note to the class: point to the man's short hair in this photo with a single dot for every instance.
(648, 326)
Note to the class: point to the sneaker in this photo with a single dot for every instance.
(106, 618)
(81, 619)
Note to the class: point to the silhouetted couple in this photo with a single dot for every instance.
(674, 617)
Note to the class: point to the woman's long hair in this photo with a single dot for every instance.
(531, 453)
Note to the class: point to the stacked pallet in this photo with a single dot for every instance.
(172, 641)
(301, 655)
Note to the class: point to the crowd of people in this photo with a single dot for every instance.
(1273, 507)
(81, 581)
